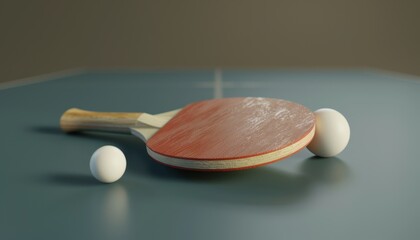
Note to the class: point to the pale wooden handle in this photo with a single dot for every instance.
(76, 119)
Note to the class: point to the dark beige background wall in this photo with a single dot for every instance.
(45, 36)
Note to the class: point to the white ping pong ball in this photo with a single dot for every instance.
(108, 164)
(332, 133)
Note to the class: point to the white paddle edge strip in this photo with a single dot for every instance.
(232, 164)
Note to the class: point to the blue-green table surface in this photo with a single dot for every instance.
(369, 191)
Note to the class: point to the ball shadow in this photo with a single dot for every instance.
(331, 170)
(71, 179)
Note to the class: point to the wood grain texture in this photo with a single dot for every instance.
(76, 119)
(233, 128)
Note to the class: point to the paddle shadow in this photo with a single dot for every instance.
(259, 186)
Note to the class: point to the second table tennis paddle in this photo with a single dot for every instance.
(213, 135)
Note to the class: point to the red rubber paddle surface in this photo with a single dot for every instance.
(232, 128)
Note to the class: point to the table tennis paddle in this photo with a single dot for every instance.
(212, 135)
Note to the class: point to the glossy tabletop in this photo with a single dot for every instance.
(369, 191)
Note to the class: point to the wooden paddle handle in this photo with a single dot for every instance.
(76, 119)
